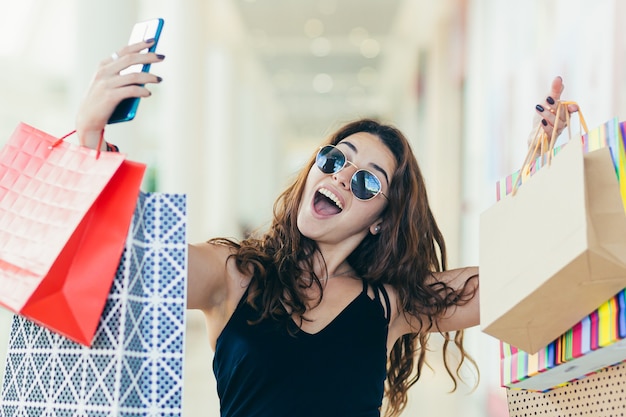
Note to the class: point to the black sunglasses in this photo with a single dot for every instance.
(364, 184)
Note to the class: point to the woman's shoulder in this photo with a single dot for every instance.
(214, 279)
(215, 284)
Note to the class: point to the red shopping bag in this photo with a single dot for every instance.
(65, 211)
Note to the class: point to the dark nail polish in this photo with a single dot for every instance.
(544, 122)
(160, 56)
(159, 79)
(149, 40)
(550, 100)
(539, 107)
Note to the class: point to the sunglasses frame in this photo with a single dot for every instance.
(348, 162)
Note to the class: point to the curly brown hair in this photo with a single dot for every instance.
(406, 252)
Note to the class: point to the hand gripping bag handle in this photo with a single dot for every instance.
(540, 139)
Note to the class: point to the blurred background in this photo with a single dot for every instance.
(251, 87)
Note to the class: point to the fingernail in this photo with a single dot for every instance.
(539, 107)
(160, 56)
(149, 40)
(550, 100)
(159, 79)
(544, 122)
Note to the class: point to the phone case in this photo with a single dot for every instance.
(127, 108)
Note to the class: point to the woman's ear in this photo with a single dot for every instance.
(375, 228)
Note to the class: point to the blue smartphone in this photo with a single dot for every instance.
(127, 108)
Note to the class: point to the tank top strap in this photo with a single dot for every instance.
(378, 290)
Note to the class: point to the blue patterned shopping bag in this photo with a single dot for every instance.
(135, 365)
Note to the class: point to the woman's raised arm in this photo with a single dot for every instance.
(109, 87)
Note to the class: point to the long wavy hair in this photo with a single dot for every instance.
(406, 252)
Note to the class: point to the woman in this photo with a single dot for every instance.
(344, 288)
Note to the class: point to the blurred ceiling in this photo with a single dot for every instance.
(328, 61)
(325, 58)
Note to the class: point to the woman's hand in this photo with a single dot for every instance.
(109, 87)
(546, 112)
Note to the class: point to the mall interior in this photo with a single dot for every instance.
(252, 87)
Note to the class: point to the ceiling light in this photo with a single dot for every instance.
(358, 35)
(322, 83)
(313, 28)
(370, 48)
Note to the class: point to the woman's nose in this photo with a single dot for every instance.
(344, 176)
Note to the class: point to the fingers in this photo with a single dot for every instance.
(124, 66)
(556, 89)
(134, 48)
(129, 49)
(134, 54)
(134, 78)
(122, 93)
(118, 77)
(547, 109)
(124, 62)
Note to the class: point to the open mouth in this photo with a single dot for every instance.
(326, 202)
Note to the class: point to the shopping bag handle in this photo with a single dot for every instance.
(61, 139)
(545, 144)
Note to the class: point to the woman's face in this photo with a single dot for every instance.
(329, 213)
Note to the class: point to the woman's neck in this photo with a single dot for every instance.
(326, 268)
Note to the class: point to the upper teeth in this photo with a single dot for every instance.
(332, 196)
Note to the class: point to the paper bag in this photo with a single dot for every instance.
(554, 251)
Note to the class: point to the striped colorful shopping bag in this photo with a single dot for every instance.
(597, 341)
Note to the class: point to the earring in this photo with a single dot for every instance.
(377, 229)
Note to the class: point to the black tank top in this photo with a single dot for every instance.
(263, 371)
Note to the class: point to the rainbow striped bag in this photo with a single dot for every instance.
(597, 341)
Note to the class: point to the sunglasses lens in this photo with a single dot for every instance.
(365, 185)
(330, 160)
